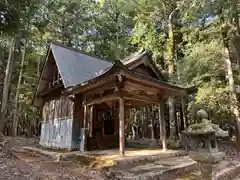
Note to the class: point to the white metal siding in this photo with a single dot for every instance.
(57, 133)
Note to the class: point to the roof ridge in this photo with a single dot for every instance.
(78, 50)
(134, 57)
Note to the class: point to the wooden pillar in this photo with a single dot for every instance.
(152, 124)
(162, 125)
(184, 111)
(84, 116)
(121, 127)
(172, 117)
(83, 130)
(90, 121)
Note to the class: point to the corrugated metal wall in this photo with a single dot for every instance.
(57, 133)
(57, 124)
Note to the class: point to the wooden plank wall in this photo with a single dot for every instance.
(57, 108)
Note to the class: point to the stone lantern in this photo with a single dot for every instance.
(204, 149)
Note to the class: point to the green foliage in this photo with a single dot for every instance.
(203, 66)
(202, 62)
(112, 29)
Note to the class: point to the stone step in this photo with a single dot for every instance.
(163, 169)
(134, 160)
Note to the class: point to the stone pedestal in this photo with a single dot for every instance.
(206, 157)
(206, 170)
(205, 151)
(205, 162)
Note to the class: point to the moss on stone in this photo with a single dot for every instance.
(200, 128)
(206, 128)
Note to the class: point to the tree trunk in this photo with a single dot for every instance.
(133, 132)
(19, 109)
(145, 122)
(170, 47)
(15, 115)
(235, 18)
(7, 79)
(152, 123)
(172, 117)
(171, 66)
(232, 88)
(38, 66)
(162, 124)
(184, 111)
(182, 124)
(234, 4)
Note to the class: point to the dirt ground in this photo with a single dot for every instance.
(23, 167)
(29, 166)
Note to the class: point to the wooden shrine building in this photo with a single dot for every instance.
(85, 99)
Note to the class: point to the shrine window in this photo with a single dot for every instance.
(213, 144)
(56, 78)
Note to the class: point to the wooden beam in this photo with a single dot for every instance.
(135, 104)
(143, 99)
(150, 82)
(52, 90)
(101, 89)
(184, 111)
(121, 127)
(92, 84)
(162, 123)
(129, 84)
(150, 99)
(103, 99)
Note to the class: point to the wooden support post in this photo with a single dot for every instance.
(83, 130)
(162, 125)
(184, 111)
(91, 121)
(121, 127)
(84, 116)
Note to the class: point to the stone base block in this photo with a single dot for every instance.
(206, 157)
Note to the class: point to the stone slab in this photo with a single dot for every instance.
(132, 155)
(166, 168)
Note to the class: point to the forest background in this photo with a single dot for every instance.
(193, 42)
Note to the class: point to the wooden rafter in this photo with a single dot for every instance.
(113, 96)
(110, 97)
(144, 98)
(101, 89)
(144, 82)
(135, 85)
(94, 84)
